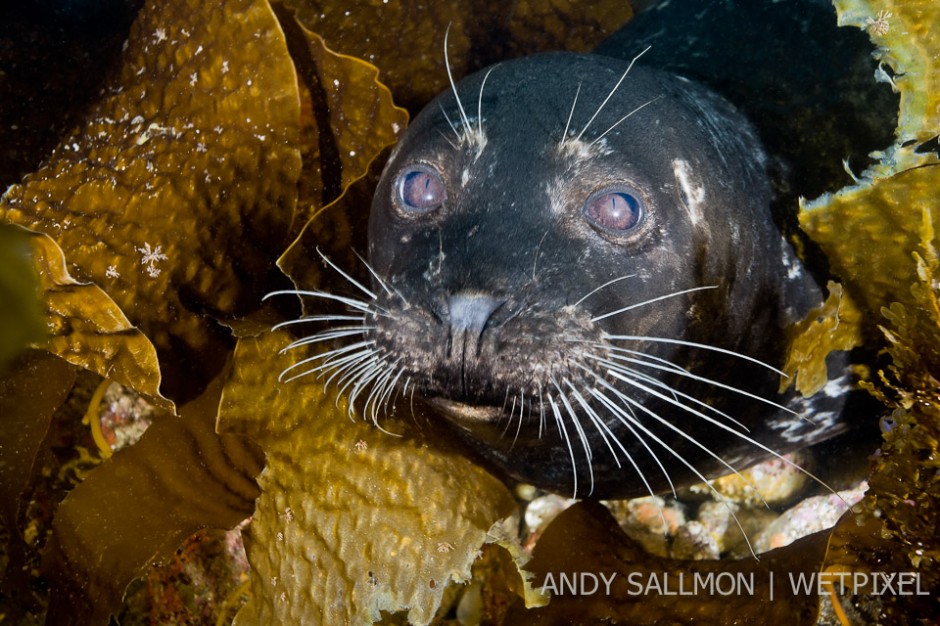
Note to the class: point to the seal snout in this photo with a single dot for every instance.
(468, 314)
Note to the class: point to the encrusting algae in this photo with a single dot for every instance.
(157, 225)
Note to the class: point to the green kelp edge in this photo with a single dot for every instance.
(21, 321)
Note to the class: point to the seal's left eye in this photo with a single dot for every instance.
(420, 189)
(615, 211)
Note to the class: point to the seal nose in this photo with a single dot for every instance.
(468, 314)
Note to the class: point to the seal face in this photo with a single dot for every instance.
(574, 263)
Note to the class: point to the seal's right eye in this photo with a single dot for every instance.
(616, 211)
(420, 189)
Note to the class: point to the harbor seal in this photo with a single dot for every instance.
(573, 262)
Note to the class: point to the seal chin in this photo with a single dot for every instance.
(461, 413)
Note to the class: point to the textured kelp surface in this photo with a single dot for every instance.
(352, 521)
(233, 139)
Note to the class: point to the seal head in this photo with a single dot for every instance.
(575, 264)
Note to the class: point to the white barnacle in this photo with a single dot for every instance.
(159, 35)
(112, 272)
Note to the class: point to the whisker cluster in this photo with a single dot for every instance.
(577, 138)
(465, 132)
(355, 368)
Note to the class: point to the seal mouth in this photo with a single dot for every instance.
(460, 412)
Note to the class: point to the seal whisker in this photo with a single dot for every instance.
(377, 369)
(577, 92)
(382, 283)
(382, 369)
(714, 383)
(451, 124)
(669, 365)
(361, 305)
(610, 404)
(599, 424)
(339, 364)
(352, 280)
(512, 411)
(465, 121)
(354, 371)
(480, 101)
(691, 467)
(580, 430)
(384, 374)
(617, 123)
(447, 139)
(658, 383)
(627, 417)
(389, 398)
(519, 426)
(612, 91)
(382, 388)
(319, 318)
(724, 427)
(692, 344)
(564, 435)
(538, 248)
(596, 289)
(327, 335)
(690, 438)
(328, 353)
(347, 370)
(541, 413)
(682, 433)
(652, 300)
(345, 362)
(325, 355)
(628, 420)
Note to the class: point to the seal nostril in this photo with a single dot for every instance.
(468, 314)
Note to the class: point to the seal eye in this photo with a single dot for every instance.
(420, 189)
(617, 212)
